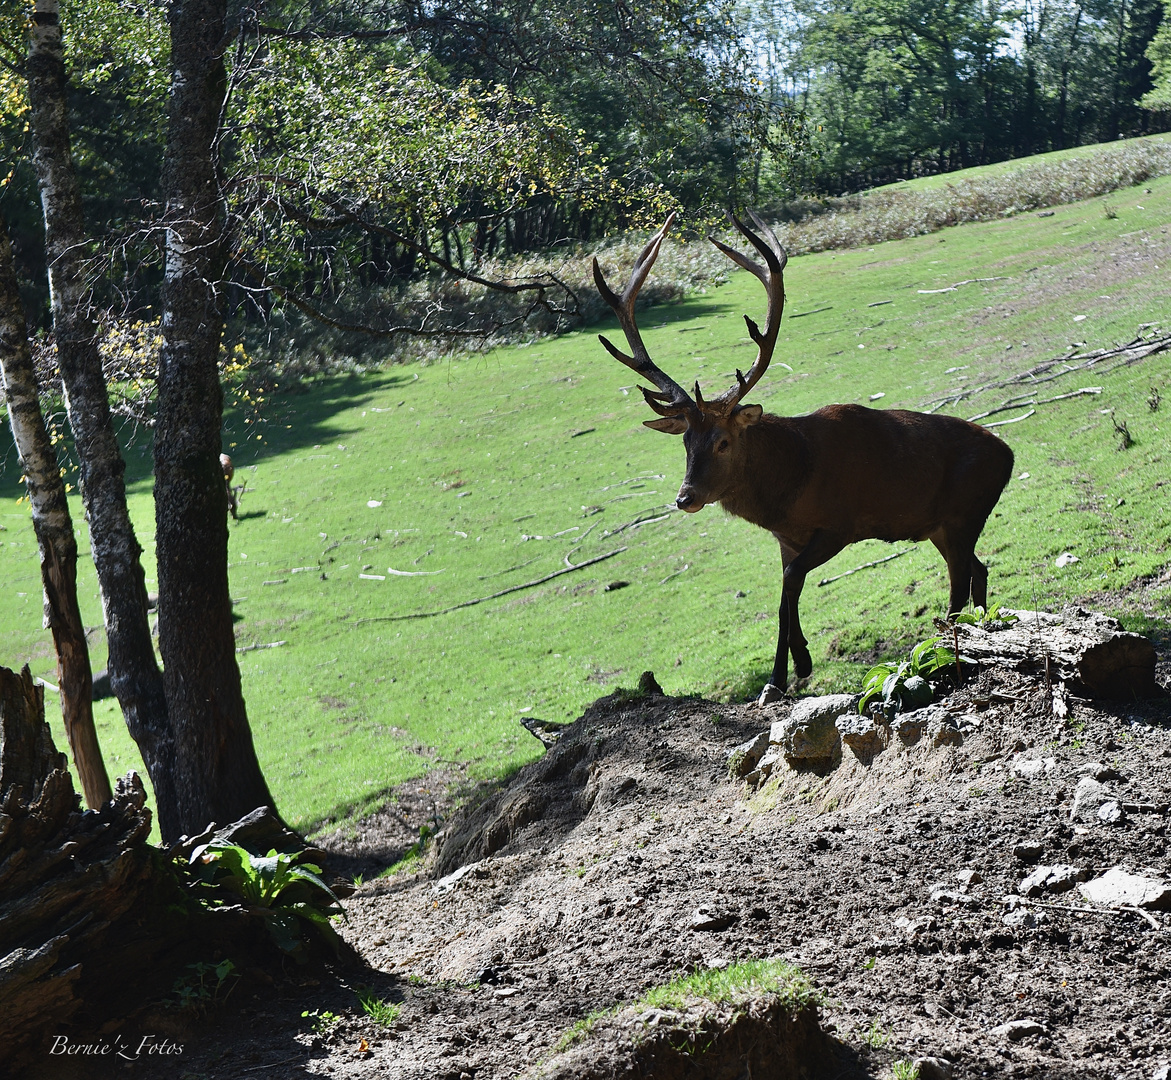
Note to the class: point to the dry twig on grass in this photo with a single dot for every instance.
(493, 596)
(864, 566)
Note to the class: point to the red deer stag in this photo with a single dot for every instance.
(819, 482)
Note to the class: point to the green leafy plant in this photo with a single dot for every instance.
(904, 1070)
(286, 893)
(321, 1022)
(995, 618)
(202, 985)
(905, 685)
(378, 1009)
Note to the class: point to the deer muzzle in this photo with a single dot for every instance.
(687, 501)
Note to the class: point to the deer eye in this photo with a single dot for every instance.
(723, 447)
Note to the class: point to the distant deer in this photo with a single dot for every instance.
(819, 482)
(229, 472)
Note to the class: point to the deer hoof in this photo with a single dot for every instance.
(769, 694)
(802, 662)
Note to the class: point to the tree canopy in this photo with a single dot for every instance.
(894, 88)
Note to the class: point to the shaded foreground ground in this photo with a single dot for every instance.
(626, 855)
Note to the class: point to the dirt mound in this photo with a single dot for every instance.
(931, 888)
(763, 1038)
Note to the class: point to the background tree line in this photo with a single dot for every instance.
(891, 89)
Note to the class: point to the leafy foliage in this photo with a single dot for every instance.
(898, 88)
(904, 685)
(995, 618)
(286, 893)
(1159, 55)
(202, 985)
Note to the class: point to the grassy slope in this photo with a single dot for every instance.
(1002, 168)
(485, 446)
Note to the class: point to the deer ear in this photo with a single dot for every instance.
(672, 425)
(747, 415)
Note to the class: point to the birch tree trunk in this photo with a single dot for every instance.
(217, 775)
(134, 674)
(54, 530)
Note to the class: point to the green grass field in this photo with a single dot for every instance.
(490, 471)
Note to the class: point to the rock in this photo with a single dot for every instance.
(768, 763)
(933, 1068)
(1022, 918)
(1031, 768)
(944, 730)
(1104, 774)
(743, 759)
(448, 883)
(969, 722)
(969, 877)
(1117, 887)
(1087, 797)
(1015, 1030)
(910, 726)
(862, 735)
(1163, 1072)
(1028, 851)
(947, 897)
(101, 687)
(924, 924)
(1052, 879)
(1111, 813)
(708, 919)
(809, 734)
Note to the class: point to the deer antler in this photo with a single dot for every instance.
(772, 277)
(671, 398)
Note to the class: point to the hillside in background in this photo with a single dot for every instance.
(375, 498)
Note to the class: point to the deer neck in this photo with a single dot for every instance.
(774, 467)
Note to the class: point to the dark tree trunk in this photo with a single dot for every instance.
(85, 903)
(96, 923)
(54, 530)
(134, 674)
(217, 774)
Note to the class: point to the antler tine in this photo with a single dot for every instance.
(771, 275)
(623, 306)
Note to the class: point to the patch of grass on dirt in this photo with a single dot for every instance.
(751, 978)
(378, 1009)
(735, 983)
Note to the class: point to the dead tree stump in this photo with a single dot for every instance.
(91, 917)
(1086, 650)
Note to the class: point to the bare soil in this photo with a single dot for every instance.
(626, 855)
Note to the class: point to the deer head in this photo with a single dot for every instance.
(712, 430)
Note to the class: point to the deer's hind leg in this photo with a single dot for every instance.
(958, 549)
(979, 583)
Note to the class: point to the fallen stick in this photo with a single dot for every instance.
(1133, 351)
(864, 566)
(1129, 908)
(1014, 420)
(494, 596)
(1024, 400)
(802, 314)
(253, 648)
(641, 521)
(968, 281)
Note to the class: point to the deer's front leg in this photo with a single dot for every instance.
(822, 547)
